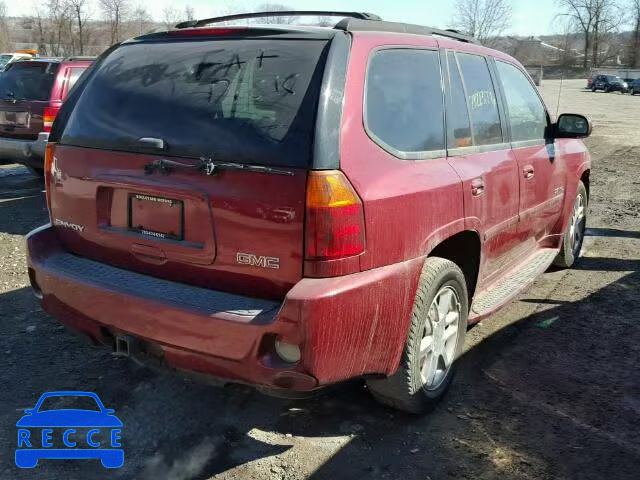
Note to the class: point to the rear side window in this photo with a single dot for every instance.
(28, 81)
(404, 104)
(249, 101)
(527, 115)
(458, 123)
(481, 98)
(74, 75)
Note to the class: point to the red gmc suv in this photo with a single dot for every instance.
(31, 94)
(290, 207)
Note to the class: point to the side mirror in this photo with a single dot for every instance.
(571, 125)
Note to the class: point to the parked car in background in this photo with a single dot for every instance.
(609, 83)
(590, 81)
(7, 59)
(31, 94)
(634, 87)
(221, 202)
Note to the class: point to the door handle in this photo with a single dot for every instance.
(477, 187)
(529, 172)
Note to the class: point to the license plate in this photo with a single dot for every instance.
(14, 119)
(156, 217)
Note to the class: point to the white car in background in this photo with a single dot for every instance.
(7, 58)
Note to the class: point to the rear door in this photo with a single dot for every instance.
(188, 159)
(484, 161)
(25, 91)
(542, 173)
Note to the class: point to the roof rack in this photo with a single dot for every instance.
(352, 22)
(360, 25)
(44, 59)
(79, 58)
(287, 13)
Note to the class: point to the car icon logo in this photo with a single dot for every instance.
(54, 430)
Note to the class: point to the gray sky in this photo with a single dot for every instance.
(530, 16)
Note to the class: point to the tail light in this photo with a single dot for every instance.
(49, 154)
(335, 218)
(49, 116)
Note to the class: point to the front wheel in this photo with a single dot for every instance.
(434, 342)
(574, 236)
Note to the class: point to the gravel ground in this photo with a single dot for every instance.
(548, 388)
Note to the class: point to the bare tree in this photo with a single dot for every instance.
(328, 21)
(277, 7)
(608, 19)
(53, 23)
(484, 19)
(568, 42)
(171, 17)
(596, 20)
(115, 12)
(5, 41)
(189, 13)
(141, 21)
(635, 42)
(81, 16)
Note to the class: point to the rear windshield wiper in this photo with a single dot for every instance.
(209, 167)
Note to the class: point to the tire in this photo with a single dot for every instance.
(441, 283)
(572, 244)
(593, 89)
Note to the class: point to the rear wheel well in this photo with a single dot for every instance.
(463, 249)
(585, 180)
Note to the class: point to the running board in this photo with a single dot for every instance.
(505, 289)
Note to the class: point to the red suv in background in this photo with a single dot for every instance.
(292, 207)
(31, 94)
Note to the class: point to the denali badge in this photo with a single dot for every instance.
(255, 261)
(72, 226)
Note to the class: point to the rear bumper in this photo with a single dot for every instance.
(25, 152)
(346, 327)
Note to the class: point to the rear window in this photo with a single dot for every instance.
(249, 101)
(74, 76)
(28, 81)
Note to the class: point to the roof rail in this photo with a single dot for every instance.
(78, 58)
(361, 25)
(287, 13)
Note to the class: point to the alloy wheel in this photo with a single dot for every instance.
(576, 233)
(440, 338)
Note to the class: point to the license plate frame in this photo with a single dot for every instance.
(161, 204)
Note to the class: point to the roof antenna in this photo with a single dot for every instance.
(559, 94)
